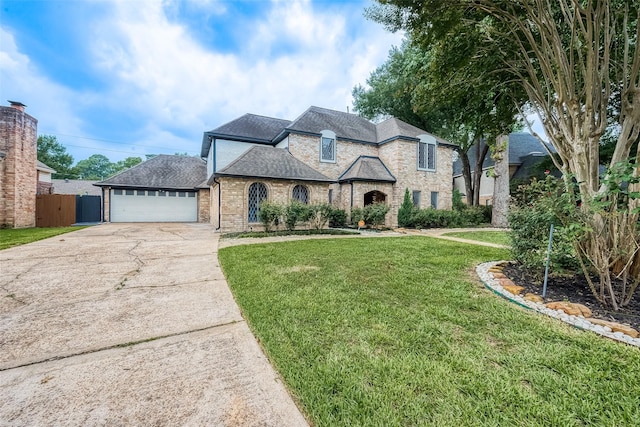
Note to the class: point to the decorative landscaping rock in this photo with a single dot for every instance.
(570, 308)
(499, 276)
(616, 327)
(514, 289)
(495, 269)
(484, 273)
(533, 298)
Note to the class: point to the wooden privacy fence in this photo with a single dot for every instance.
(55, 210)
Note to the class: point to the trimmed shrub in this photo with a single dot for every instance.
(434, 218)
(319, 215)
(294, 213)
(269, 214)
(357, 214)
(375, 213)
(337, 218)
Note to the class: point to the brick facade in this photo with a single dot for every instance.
(401, 158)
(204, 205)
(18, 173)
(232, 215)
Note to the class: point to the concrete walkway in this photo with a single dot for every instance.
(130, 324)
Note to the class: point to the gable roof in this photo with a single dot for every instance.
(521, 145)
(44, 168)
(271, 162)
(249, 127)
(162, 172)
(367, 168)
(347, 126)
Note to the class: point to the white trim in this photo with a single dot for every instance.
(427, 140)
(328, 134)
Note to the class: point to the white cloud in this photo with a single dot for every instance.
(47, 101)
(157, 72)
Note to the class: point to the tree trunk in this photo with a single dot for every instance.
(481, 154)
(466, 175)
(501, 183)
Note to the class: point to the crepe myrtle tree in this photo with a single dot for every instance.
(579, 63)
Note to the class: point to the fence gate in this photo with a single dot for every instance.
(88, 208)
(55, 210)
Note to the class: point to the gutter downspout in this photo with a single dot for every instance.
(351, 206)
(219, 204)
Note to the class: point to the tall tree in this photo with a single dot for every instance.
(579, 63)
(429, 88)
(96, 167)
(125, 164)
(54, 154)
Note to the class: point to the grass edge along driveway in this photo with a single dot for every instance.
(10, 237)
(397, 331)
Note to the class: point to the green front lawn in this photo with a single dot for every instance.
(14, 237)
(397, 331)
(497, 237)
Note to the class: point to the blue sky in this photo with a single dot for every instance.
(134, 77)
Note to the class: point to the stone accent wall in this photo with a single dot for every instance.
(204, 205)
(234, 200)
(18, 173)
(307, 149)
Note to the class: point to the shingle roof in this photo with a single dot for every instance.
(521, 144)
(268, 130)
(75, 186)
(162, 172)
(250, 127)
(393, 128)
(270, 162)
(42, 167)
(345, 125)
(367, 168)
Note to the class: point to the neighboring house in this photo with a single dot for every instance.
(161, 189)
(44, 178)
(18, 167)
(525, 153)
(79, 187)
(323, 156)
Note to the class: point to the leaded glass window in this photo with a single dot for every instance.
(257, 194)
(301, 194)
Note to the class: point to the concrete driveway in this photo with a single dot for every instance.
(130, 324)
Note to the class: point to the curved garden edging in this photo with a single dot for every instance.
(580, 322)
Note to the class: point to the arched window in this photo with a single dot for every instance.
(257, 194)
(301, 194)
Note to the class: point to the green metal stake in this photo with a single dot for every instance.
(546, 269)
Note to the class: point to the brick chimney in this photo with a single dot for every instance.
(17, 105)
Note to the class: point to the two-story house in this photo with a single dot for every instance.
(323, 156)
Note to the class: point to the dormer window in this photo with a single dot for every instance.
(427, 153)
(328, 146)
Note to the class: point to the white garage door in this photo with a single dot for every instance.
(153, 206)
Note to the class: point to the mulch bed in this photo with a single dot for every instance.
(575, 289)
